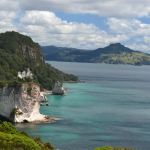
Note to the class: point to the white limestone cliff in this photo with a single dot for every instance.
(58, 89)
(18, 106)
(42, 98)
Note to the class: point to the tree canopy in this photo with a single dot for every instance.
(17, 53)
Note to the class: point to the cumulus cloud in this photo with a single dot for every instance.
(8, 15)
(130, 27)
(123, 25)
(146, 39)
(139, 47)
(6, 20)
(105, 8)
(41, 18)
(46, 28)
(7, 25)
(9, 5)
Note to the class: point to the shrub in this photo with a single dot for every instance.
(47, 145)
(29, 89)
(14, 83)
(25, 134)
(7, 127)
(14, 111)
(28, 79)
(20, 79)
(44, 146)
(13, 142)
(111, 148)
(2, 84)
(104, 148)
(126, 148)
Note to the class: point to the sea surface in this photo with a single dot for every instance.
(111, 108)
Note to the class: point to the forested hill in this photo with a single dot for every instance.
(19, 52)
(54, 49)
(112, 54)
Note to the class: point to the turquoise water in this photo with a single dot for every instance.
(111, 108)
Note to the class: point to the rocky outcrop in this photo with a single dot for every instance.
(42, 98)
(58, 89)
(24, 74)
(45, 104)
(18, 106)
(32, 52)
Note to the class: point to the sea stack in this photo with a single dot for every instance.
(21, 104)
(42, 98)
(58, 89)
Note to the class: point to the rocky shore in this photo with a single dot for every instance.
(22, 104)
(74, 81)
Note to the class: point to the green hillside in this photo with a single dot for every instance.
(112, 54)
(19, 52)
(54, 49)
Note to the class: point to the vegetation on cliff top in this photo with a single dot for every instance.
(17, 53)
(112, 54)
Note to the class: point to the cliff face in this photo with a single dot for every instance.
(18, 106)
(32, 52)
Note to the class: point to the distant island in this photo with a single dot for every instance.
(112, 54)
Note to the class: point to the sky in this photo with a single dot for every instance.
(84, 24)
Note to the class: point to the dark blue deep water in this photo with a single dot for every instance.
(111, 108)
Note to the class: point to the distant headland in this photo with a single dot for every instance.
(112, 54)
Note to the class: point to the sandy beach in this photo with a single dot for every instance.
(46, 92)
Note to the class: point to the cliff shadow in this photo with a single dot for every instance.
(2, 118)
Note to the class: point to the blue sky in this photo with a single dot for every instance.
(83, 24)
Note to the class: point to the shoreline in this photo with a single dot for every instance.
(50, 92)
(74, 81)
(93, 62)
(46, 92)
(49, 120)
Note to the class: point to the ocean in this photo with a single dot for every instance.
(111, 108)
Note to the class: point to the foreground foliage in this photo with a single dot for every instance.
(10, 138)
(19, 52)
(116, 148)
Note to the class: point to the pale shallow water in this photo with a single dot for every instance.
(112, 108)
